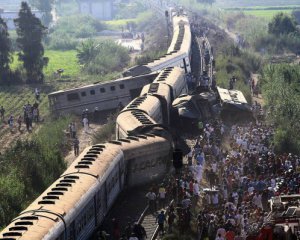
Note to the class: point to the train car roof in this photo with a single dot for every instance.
(231, 96)
(95, 160)
(179, 46)
(145, 102)
(181, 28)
(169, 76)
(148, 142)
(65, 193)
(157, 89)
(134, 121)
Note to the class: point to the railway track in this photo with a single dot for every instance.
(132, 207)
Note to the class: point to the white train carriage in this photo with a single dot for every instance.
(147, 104)
(133, 122)
(178, 55)
(75, 203)
(163, 93)
(104, 96)
(174, 77)
(147, 157)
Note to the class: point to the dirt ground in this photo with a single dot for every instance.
(85, 140)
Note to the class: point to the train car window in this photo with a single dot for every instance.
(92, 92)
(102, 90)
(73, 96)
(122, 86)
(83, 94)
(112, 88)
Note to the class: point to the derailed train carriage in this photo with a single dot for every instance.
(74, 205)
(108, 96)
(77, 202)
(104, 96)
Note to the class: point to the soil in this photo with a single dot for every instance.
(85, 140)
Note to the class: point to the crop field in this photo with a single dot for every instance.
(265, 12)
(66, 60)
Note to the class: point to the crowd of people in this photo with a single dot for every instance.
(241, 172)
(245, 176)
(31, 114)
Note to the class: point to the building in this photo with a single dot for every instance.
(100, 9)
(9, 16)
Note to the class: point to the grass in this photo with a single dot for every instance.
(268, 14)
(117, 24)
(66, 60)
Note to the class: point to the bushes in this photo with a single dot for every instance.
(148, 56)
(68, 29)
(107, 132)
(62, 41)
(29, 167)
(102, 57)
(281, 93)
(129, 10)
(278, 44)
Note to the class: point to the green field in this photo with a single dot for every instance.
(268, 14)
(66, 60)
(118, 24)
(265, 12)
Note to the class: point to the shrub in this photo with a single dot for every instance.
(62, 41)
(29, 167)
(102, 57)
(67, 29)
(107, 132)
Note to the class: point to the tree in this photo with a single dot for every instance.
(296, 15)
(45, 6)
(282, 24)
(281, 87)
(30, 33)
(5, 52)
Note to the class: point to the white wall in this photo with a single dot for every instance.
(100, 10)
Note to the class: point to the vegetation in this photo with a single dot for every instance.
(70, 29)
(102, 57)
(107, 132)
(233, 62)
(296, 15)
(282, 24)
(45, 6)
(30, 33)
(5, 52)
(281, 89)
(29, 167)
(125, 11)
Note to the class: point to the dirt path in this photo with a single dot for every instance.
(85, 140)
(258, 98)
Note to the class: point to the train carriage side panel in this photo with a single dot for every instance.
(148, 158)
(175, 78)
(104, 96)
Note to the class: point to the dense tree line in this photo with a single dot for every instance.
(281, 89)
(30, 33)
